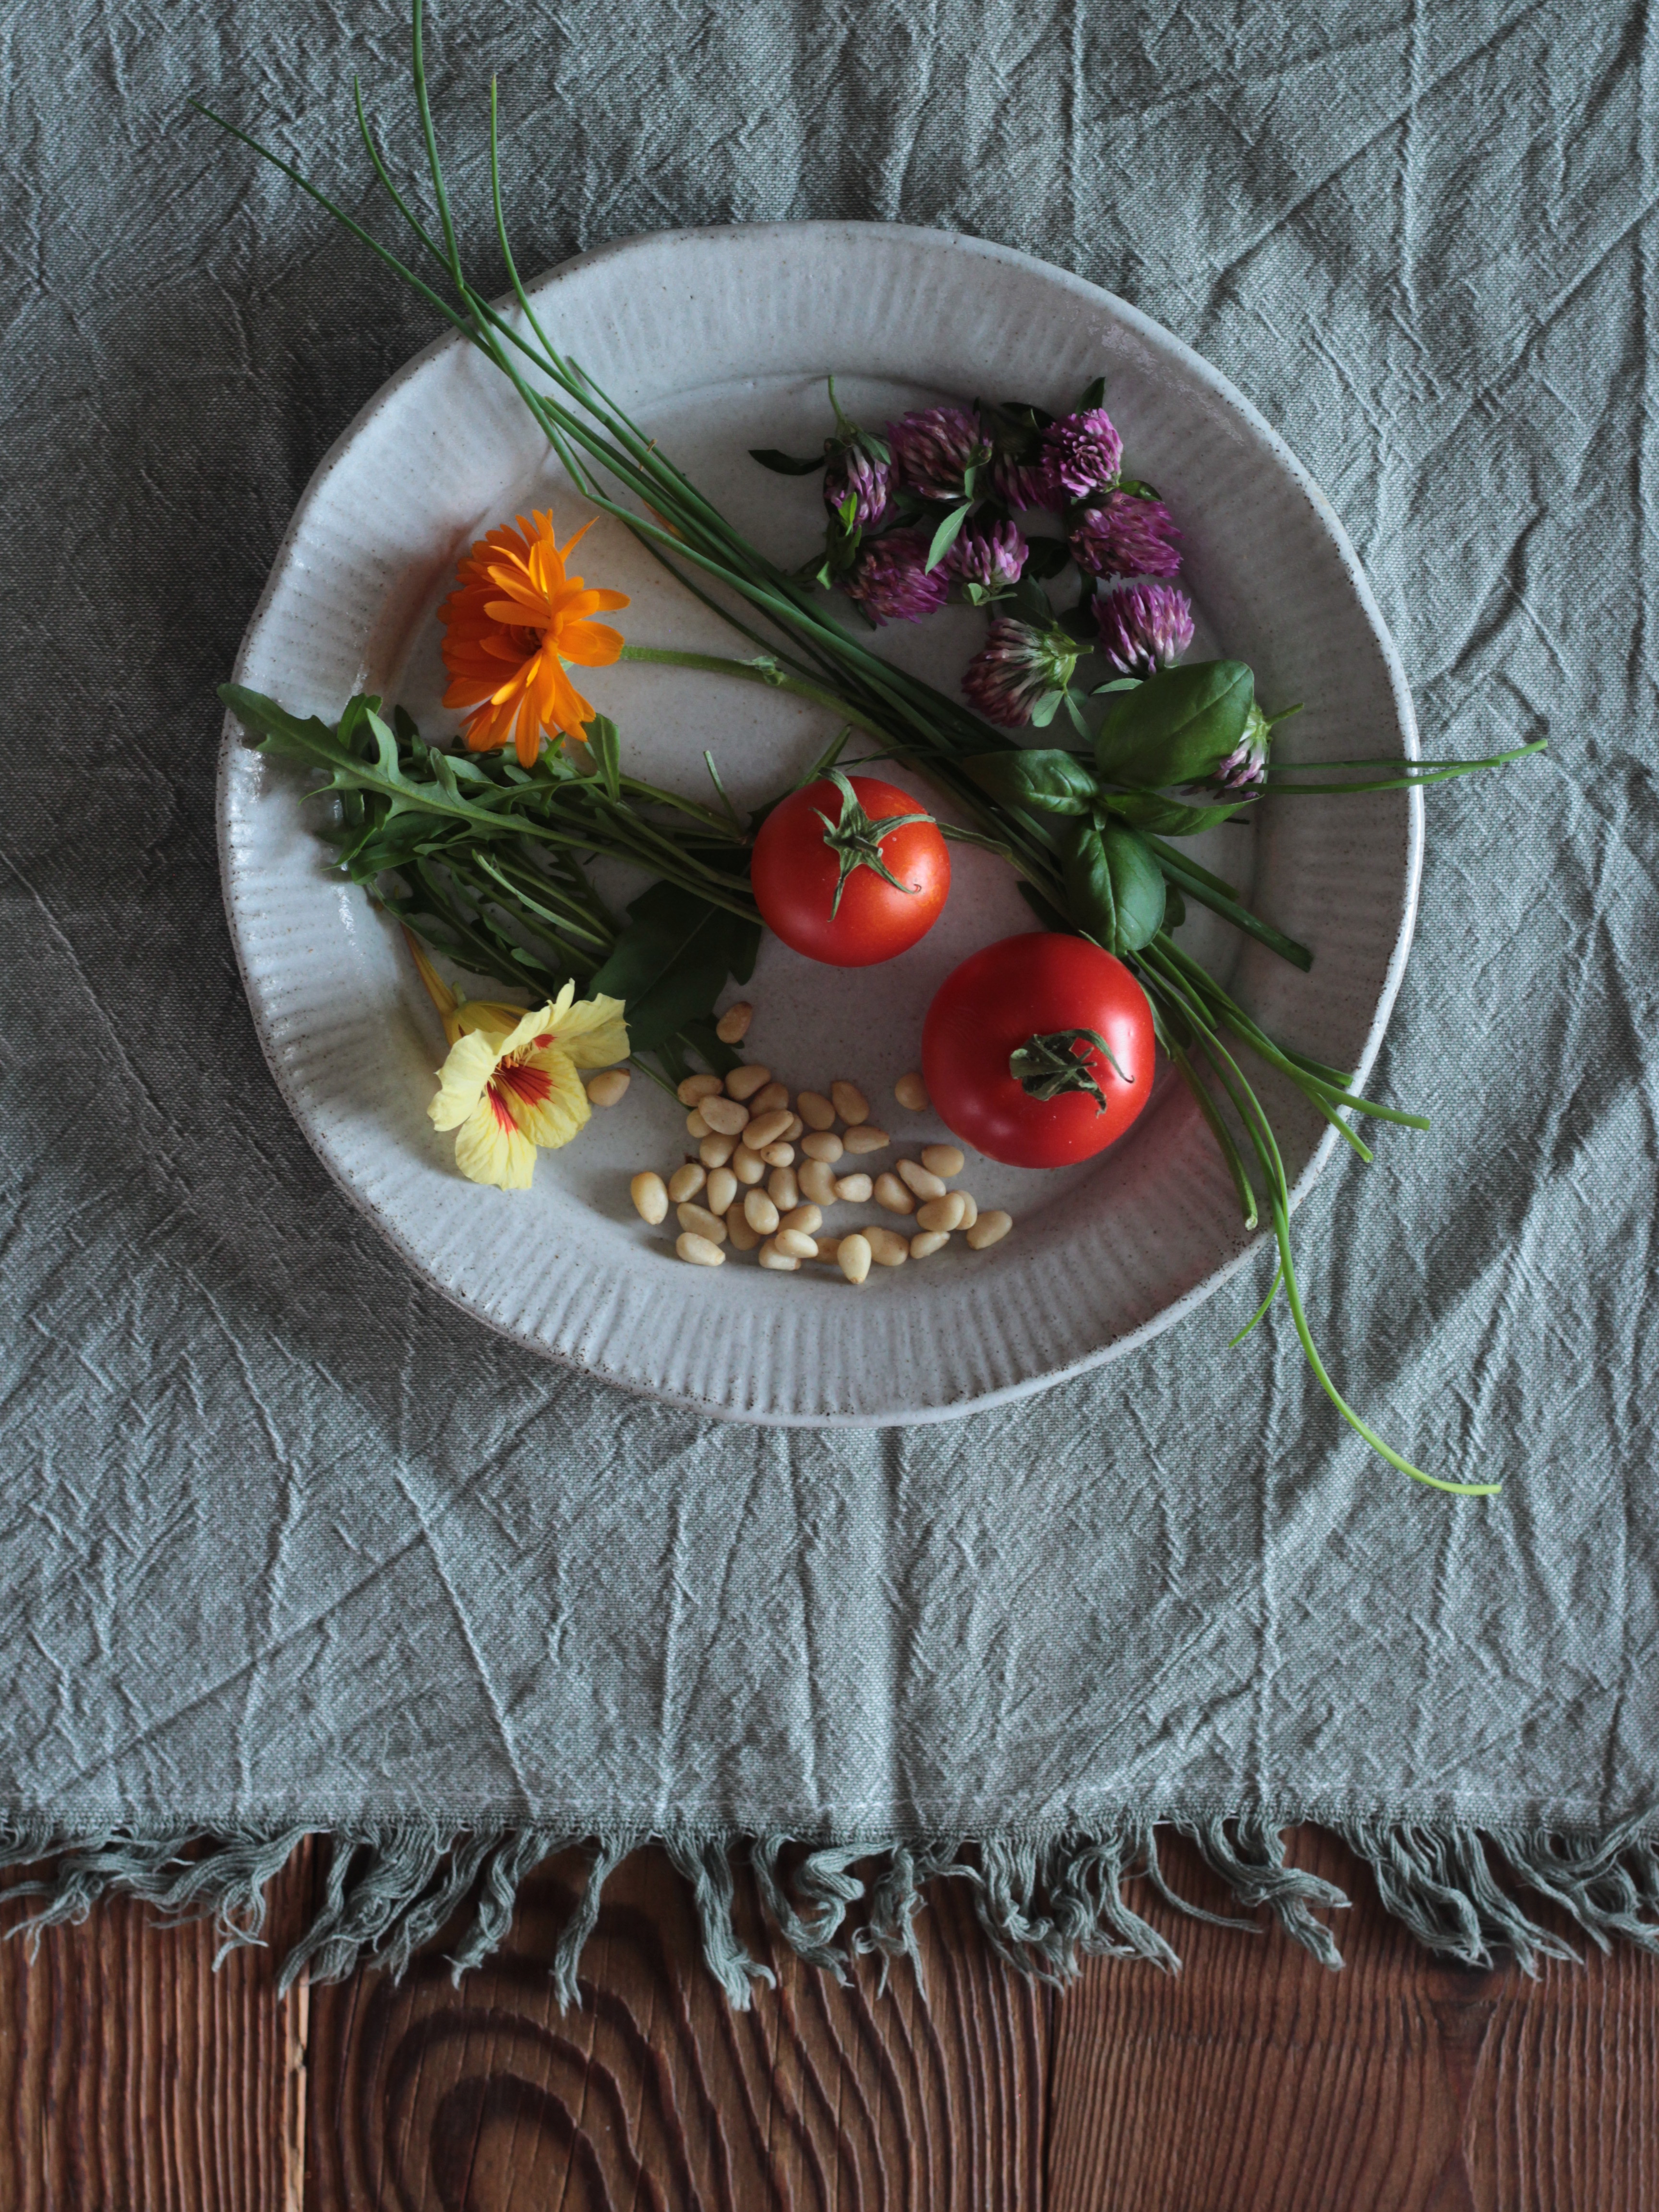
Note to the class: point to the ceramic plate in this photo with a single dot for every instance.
(719, 340)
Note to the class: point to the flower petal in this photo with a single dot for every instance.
(491, 1149)
(593, 1031)
(543, 1092)
(590, 644)
(462, 1078)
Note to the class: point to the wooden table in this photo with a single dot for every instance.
(133, 2078)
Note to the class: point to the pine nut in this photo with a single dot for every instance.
(695, 1127)
(818, 1182)
(943, 1160)
(971, 1209)
(779, 1155)
(924, 1184)
(887, 1248)
(939, 1214)
(796, 1244)
(687, 1181)
(733, 1024)
(721, 1191)
(866, 1139)
(776, 1262)
(989, 1229)
(760, 1211)
(808, 1218)
(929, 1241)
(823, 1145)
(828, 1246)
(765, 1129)
(699, 1251)
(650, 1195)
(744, 1082)
(606, 1089)
(747, 1166)
(700, 1222)
(774, 1099)
(782, 1188)
(850, 1102)
(716, 1152)
(855, 1189)
(697, 1087)
(795, 1129)
(912, 1093)
(815, 1110)
(853, 1257)
(725, 1115)
(892, 1194)
(744, 1238)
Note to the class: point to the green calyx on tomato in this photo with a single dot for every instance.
(1044, 1066)
(856, 840)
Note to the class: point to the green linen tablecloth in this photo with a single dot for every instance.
(288, 1543)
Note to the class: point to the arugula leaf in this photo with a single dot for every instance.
(606, 746)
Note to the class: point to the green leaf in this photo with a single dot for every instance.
(606, 746)
(671, 961)
(1167, 817)
(1178, 726)
(1114, 887)
(1047, 556)
(947, 533)
(1057, 782)
(1094, 395)
(785, 465)
(1031, 601)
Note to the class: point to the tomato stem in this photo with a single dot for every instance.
(1046, 1066)
(855, 838)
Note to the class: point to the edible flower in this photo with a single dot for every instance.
(1245, 768)
(933, 449)
(1018, 672)
(870, 482)
(1145, 628)
(514, 621)
(1082, 453)
(992, 554)
(892, 581)
(1126, 535)
(510, 1084)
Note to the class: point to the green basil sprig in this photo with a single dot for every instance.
(1113, 886)
(1176, 727)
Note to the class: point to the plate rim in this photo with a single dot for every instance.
(1223, 390)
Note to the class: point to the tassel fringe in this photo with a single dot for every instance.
(1044, 1901)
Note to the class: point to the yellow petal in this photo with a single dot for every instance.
(462, 1078)
(593, 1032)
(538, 1022)
(544, 1094)
(491, 1149)
(487, 1015)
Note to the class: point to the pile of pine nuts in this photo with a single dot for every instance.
(768, 1168)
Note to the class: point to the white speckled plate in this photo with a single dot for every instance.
(719, 340)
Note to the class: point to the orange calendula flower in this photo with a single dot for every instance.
(513, 621)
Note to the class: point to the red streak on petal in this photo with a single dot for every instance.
(543, 1042)
(498, 1107)
(531, 1085)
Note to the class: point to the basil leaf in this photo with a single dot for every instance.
(785, 465)
(1057, 782)
(670, 962)
(1178, 726)
(1166, 817)
(1114, 887)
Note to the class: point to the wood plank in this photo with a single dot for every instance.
(656, 2096)
(133, 2077)
(1258, 2082)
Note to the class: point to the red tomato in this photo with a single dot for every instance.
(829, 834)
(1030, 996)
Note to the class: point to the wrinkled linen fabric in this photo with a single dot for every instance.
(285, 1536)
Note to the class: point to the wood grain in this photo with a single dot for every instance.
(1257, 2081)
(657, 2096)
(132, 2078)
(135, 2079)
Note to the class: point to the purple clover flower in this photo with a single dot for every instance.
(1014, 667)
(1145, 628)
(1023, 484)
(1245, 768)
(1084, 452)
(933, 449)
(993, 553)
(891, 581)
(870, 481)
(1125, 536)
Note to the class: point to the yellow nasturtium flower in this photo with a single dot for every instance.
(511, 1082)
